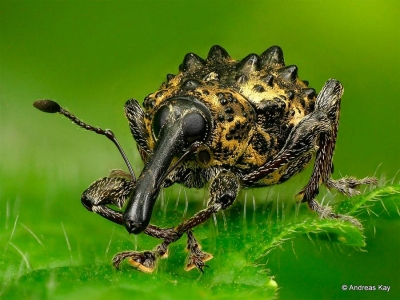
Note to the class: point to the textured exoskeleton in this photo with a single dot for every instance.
(232, 124)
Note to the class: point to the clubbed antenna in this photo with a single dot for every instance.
(49, 106)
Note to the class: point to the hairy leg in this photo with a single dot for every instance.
(223, 192)
(315, 132)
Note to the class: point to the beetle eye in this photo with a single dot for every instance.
(160, 118)
(194, 127)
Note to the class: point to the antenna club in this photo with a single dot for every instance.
(48, 106)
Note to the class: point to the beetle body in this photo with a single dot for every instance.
(228, 123)
(253, 103)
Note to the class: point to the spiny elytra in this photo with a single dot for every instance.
(232, 124)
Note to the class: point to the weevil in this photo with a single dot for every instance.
(230, 124)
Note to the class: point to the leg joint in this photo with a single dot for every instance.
(223, 190)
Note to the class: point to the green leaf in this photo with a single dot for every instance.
(382, 202)
(64, 261)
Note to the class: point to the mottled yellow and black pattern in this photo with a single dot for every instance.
(231, 124)
(254, 104)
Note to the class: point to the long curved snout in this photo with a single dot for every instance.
(177, 124)
(140, 206)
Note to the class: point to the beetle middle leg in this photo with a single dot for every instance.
(223, 191)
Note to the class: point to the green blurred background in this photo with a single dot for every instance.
(93, 56)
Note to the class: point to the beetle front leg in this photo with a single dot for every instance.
(223, 192)
(196, 257)
(113, 190)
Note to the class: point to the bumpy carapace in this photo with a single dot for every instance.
(232, 124)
